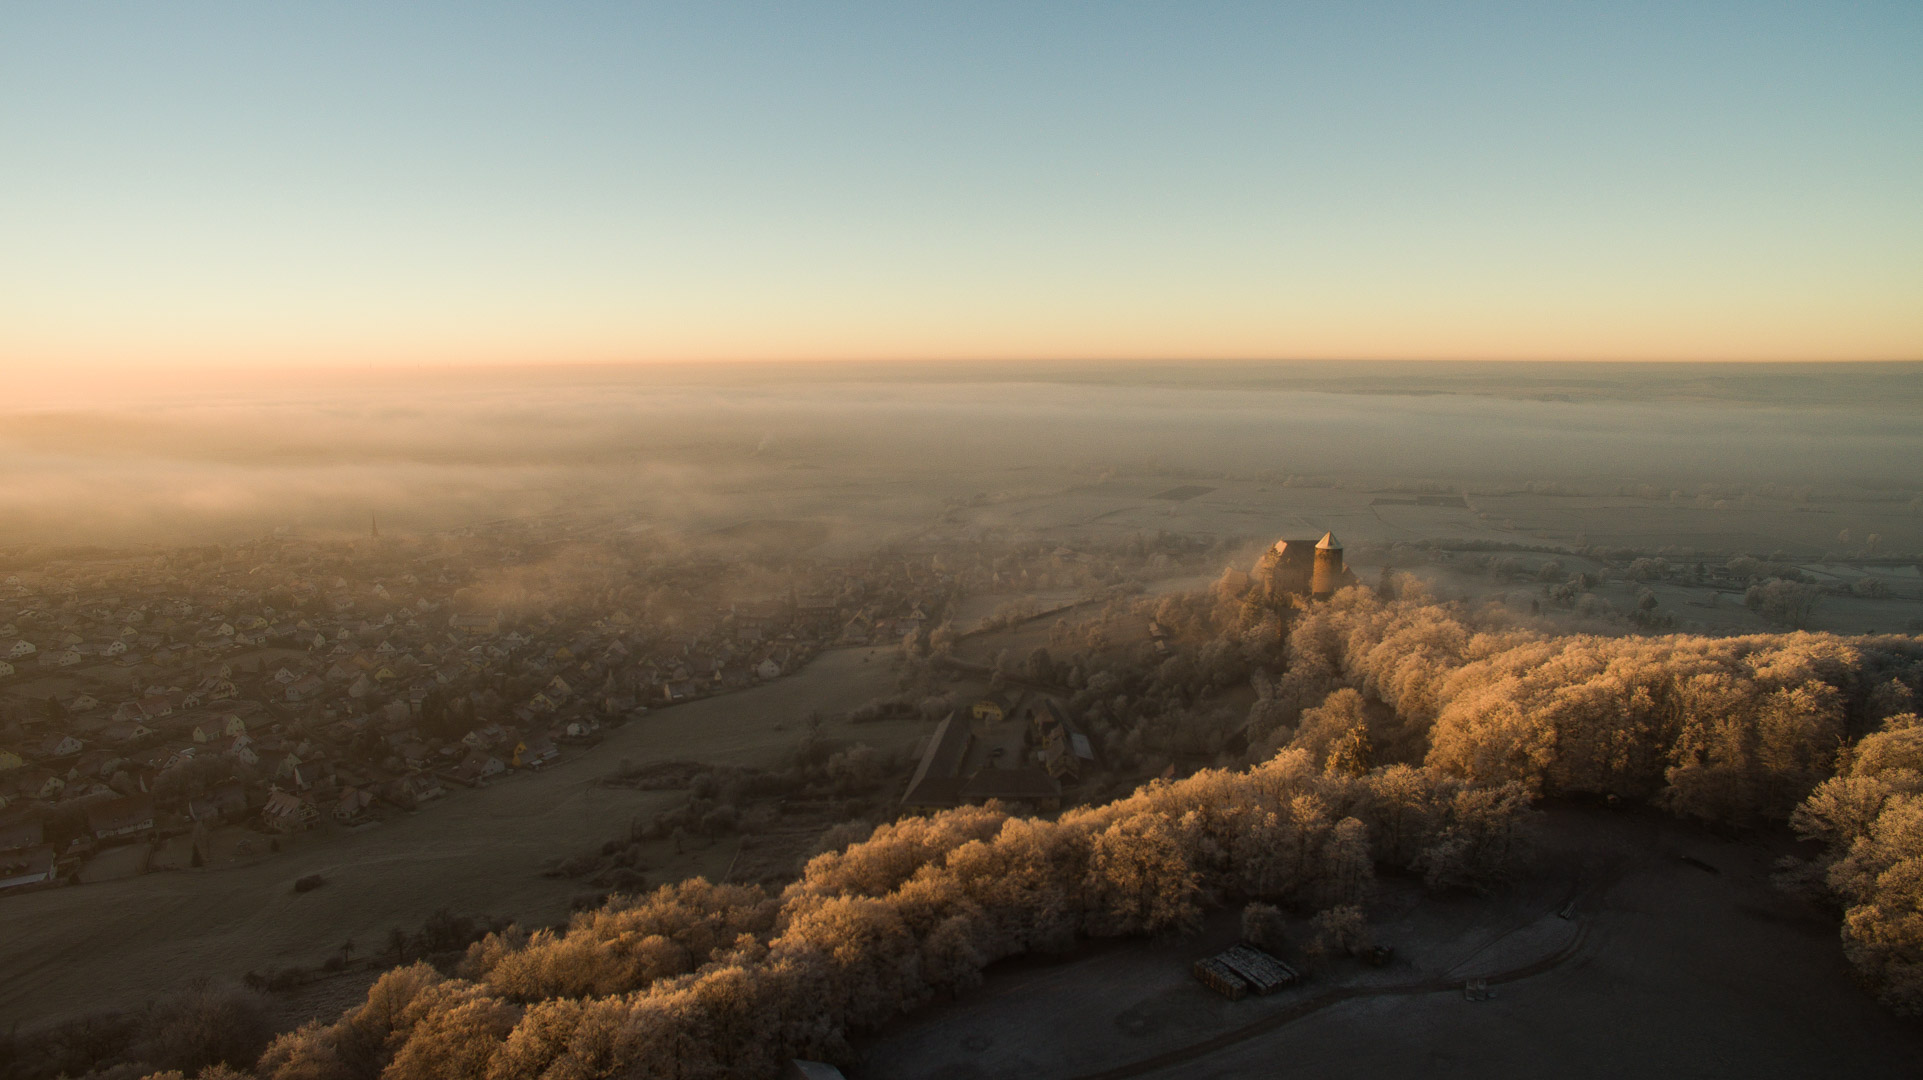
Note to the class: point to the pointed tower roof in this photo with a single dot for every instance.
(1328, 543)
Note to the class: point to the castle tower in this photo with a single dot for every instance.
(1328, 566)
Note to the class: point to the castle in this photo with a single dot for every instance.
(1299, 568)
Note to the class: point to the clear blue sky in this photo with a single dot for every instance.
(363, 183)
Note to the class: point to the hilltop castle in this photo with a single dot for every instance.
(1299, 568)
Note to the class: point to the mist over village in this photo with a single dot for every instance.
(960, 544)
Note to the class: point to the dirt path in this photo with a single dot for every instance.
(1307, 1006)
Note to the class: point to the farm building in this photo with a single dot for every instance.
(286, 812)
(976, 756)
(127, 816)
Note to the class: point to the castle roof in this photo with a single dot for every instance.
(1329, 543)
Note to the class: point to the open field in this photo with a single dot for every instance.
(1664, 969)
(70, 951)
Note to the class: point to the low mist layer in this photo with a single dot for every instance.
(701, 448)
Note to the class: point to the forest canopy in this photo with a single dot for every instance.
(1390, 732)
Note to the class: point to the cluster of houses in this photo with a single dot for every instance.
(1022, 748)
(280, 685)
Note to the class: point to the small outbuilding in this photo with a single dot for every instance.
(1236, 971)
(1264, 973)
(1216, 975)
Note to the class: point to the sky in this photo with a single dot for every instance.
(266, 186)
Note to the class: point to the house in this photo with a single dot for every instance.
(220, 726)
(60, 658)
(10, 761)
(240, 748)
(283, 765)
(31, 866)
(129, 815)
(412, 751)
(1065, 750)
(306, 689)
(534, 752)
(476, 769)
(485, 737)
(125, 731)
(353, 804)
(96, 763)
(768, 669)
(5, 668)
(410, 791)
(39, 784)
(58, 746)
(20, 649)
(474, 624)
(286, 812)
(226, 802)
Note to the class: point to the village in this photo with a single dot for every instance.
(187, 709)
(199, 707)
(196, 707)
